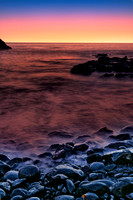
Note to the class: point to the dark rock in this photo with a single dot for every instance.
(3, 45)
(60, 134)
(68, 171)
(4, 168)
(70, 186)
(59, 178)
(5, 186)
(94, 157)
(129, 196)
(17, 197)
(97, 167)
(128, 129)
(19, 191)
(94, 187)
(15, 161)
(19, 183)
(90, 196)
(117, 145)
(31, 173)
(103, 132)
(101, 55)
(107, 75)
(36, 190)
(94, 176)
(11, 175)
(2, 194)
(127, 189)
(110, 167)
(59, 154)
(105, 181)
(4, 158)
(45, 155)
(64, 197)
(121, 137)
(33, 198)
(80, 147)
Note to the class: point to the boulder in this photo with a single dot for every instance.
(3, 45)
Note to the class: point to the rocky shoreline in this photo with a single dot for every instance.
(107, 172)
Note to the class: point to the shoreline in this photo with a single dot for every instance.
(78, 171)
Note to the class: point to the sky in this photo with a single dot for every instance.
(66, 21)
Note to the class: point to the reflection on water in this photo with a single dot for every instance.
(39, 95)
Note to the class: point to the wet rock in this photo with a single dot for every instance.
(3, 45)
(15, 161)
(80, 147)
(33, 198)
(90, 196)
(110, 167)
(107, 75)
(31, 173)
(128, 129)
(117, 145)
(69, 171)
(94, 157)
(4, 158)
(19, 183)
(45, 155)
(59, 154)
(60, 134)
(70, 186)
(94, 176)
(64, 197)
(2, 194)
(59, 178)
(17, 197)
(129, 196)
(97, 167)
(5, 186)
(36, 190)
(127, 189)
(11, 175)
(105, 181)
(19, 191)
(4, 168)
(121, 137)
(103, 132)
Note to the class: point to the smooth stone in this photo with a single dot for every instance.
(97, 166)
(127, 189)
(94, 176)
(90, 196)
(121, 137)
(45, 155)
(110, 167)
(64, 197)
(105, 181)
(80, 147)
(96, 157)
(59, 178)
(116, 188)
(103, 132)
(11, 175)
(4, 158)
(30, 172)
(33, 198)
(129, 196)
(127, 129)
(2, 194)
(19, 182)
(37, 190)
(17, 197)
(117, 145)
(62, 134)
(69, 171)
(94, 187)
(70, 186)
(64, 190)
(4, 168)
(5, 186)
(19, 191)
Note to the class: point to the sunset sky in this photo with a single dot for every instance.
(66, 20)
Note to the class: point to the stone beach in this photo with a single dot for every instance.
(105, 173)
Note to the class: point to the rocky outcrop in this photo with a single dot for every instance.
(115, 66)
(3, 45)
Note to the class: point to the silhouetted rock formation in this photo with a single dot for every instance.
(3, 45)
(115, 66)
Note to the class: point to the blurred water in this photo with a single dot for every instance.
(39, 95)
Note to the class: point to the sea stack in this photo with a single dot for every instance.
(3, 45)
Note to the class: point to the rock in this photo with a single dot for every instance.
(19, 183)
(117, 145)
(33, 198)
(80, 147)
(69, 171)
(15, 161)
(70, 186)
(105, 181)
(59, 154)
(3, 45)
(97, 167)
(36, 190)
(103, 132)
(94, 176)
(4, 168)
(45, 155)
(127, 189)
(94, 157)
(121, 137)
(5, 186)
(17, 197)
(11, 175)
(127, 129)
(110, 167)
(129, 196)
(101, 55)
(2, 194)
(94, 187)
(90, 196)
(64, 197)
(60, 134)
(19, 191)
(4, 158)
(31, 173)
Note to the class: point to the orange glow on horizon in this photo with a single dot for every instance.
(91, 28)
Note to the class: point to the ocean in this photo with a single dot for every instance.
(38, 95)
